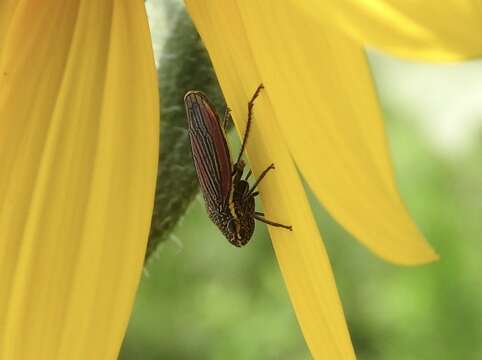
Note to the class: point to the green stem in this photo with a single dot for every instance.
(184, 65)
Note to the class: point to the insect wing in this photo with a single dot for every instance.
(209, 148)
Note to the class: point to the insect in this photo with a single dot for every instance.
(228, 197)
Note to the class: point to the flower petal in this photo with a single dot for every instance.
(301, 255)
(78, 157)
(422, 30)
(327, 109)
(6, 11)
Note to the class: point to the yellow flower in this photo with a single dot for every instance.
(78, 155)
(78, 151)
(320, 112)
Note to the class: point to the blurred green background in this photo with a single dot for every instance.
(204, 299)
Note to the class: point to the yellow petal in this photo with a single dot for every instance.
(301, 255)
(422, 30)
(78, 155)
(6, 12)
(323, 97)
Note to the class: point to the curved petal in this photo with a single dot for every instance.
(301, 255)
(78, 157)
(422, 30)
(326, 106)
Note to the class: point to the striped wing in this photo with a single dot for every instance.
(209, 148)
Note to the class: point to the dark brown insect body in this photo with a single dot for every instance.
(228, 197)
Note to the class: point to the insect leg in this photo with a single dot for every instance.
(248, 175)
(257, 217)
(238, 170)
(250, 116)
(263, 174)
(259, 213)
(226, 117)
